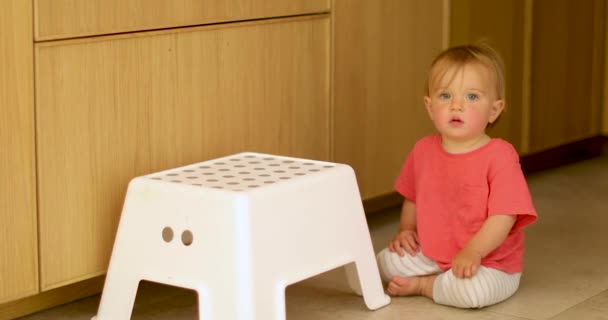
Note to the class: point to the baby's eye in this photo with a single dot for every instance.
(444, 96)
(472, 97)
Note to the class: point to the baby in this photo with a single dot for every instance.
(460, 240)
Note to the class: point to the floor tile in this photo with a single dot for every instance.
(595, 308)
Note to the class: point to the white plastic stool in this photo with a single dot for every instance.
(238, 230)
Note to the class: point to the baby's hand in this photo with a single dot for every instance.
(406, 239)
(466, 263)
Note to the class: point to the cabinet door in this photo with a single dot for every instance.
(114, 108)
(501, 25)
(382, 53)
(59, 19)
(18, 241)
(566, 72)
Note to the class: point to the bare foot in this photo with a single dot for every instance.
(411, 286)
(404, 286)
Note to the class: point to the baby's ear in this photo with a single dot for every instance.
(427, 105)
(497, 107)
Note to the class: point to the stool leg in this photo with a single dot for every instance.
(204, 305)
(364, 278)
(269, 301)
(118, 297)
(215, 302)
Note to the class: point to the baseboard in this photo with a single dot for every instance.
(382, 202)
(51, 298)
(563, 155)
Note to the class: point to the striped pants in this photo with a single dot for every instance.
(487, 287)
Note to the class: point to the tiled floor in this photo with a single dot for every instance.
(566, 274)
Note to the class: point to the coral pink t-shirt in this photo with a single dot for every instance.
(455, 194)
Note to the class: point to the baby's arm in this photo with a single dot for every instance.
(407, 237)
(493, 232)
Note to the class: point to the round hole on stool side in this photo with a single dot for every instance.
(167, 234)
(187, 237)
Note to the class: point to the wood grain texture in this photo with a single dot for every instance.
(501, 25)
(60, 19)
(18, 238)
(113, 108)
(52, 298)
(382, 51)
(605, 79)
(565, 73)
(526, 83)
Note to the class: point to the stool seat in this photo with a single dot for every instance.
(238, 230)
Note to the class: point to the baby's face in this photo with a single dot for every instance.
(463, 102)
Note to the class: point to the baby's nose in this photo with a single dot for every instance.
(456, 105)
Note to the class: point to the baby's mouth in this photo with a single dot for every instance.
(456, 121)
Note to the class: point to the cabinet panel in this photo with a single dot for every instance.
(115, 108)
(69, 18)
(18, 236)
(566, 72)
(501, 25)
(382, 53)
(605, 78)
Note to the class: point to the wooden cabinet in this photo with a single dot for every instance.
(605, 77)
(501, 24)
(382, 52)
(18, 235)
(553, 52)
(113, 108)
(59, 19)
(566, 72)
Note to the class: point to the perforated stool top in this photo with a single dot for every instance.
(242, 172)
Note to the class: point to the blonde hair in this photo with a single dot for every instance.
(459, 56)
